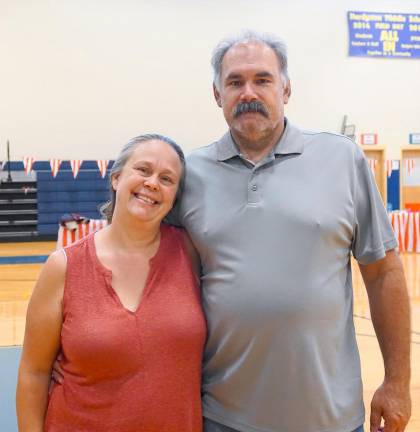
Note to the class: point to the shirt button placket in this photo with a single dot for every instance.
(253, 193)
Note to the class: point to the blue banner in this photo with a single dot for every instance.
(381, 34)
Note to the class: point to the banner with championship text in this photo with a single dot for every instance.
(381, 34)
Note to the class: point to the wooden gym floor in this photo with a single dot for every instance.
(17, 281)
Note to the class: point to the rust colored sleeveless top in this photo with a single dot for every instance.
(130, 371)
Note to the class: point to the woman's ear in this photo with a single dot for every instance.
(114, 181)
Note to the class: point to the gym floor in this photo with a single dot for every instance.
(20, 264)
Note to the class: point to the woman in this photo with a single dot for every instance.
(123, 307)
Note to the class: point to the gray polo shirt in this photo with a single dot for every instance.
(275, 241)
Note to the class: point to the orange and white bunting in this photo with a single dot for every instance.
(372, 164)
(75, 166)
(66, 236)
(103, 165)
(388, 167)
(409, 166)
(55, 165)
(411, 239)
(398, 221)
(28, 162)
(406, 226)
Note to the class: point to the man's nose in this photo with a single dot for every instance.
(248, 92)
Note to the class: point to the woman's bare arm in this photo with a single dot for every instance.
(41, 344)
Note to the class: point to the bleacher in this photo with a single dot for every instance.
(18, 206)
(31, 205)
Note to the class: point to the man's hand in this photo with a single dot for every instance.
(390, 311)
(57, 373)
(392, 403)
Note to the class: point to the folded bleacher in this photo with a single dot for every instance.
(31, 205)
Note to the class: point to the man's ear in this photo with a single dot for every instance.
(287, 91)
(217, 96)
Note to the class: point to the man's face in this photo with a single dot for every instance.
(251, 73)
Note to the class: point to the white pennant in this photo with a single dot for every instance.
(372, 163)
(75, 166)
(388, 167)
(102, 165)
(55, 165)
(409, 166)
(28, 162)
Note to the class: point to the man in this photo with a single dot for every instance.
(275, 213)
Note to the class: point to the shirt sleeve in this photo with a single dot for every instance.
(373, 234)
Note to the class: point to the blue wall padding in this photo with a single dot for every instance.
(54, 217)
(393, 190)
(73, 196)
(64, 194)
(67, 207)
(58, 184)
(68, 175)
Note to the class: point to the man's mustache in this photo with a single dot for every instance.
(254, 106)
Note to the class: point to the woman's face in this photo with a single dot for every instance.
(148, 183)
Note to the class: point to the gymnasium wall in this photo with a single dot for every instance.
(79, 78)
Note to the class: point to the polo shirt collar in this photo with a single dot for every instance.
(290, 142)
(226, 148)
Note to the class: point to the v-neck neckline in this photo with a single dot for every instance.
(107, 273)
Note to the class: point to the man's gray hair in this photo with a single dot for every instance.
(274, 42)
